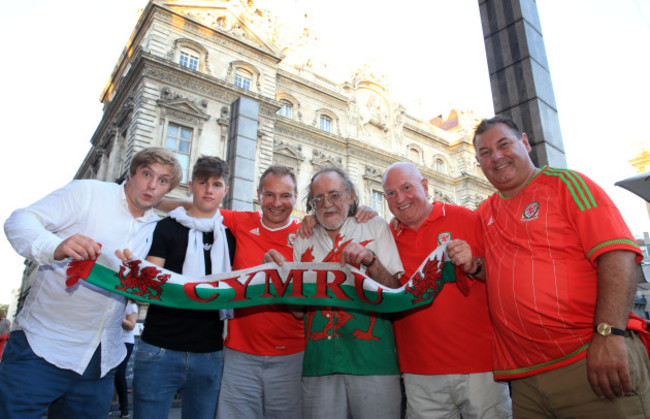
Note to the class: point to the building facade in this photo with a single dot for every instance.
(187, 61)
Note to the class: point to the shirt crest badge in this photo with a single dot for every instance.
(444, 237)
(531, 212)
(291, 239)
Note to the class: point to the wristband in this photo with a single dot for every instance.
(372, 261)
(478, 269)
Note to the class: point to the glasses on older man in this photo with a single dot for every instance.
(334, 198)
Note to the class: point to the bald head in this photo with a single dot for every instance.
(406, 193)
(405, 168)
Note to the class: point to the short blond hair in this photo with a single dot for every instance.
(159, 155)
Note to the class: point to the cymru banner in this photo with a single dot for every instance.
(297, 283)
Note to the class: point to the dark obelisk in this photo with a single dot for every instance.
(242, 146)
(520, 77)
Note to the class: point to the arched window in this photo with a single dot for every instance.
(243, 78)
(189, 59)
(440, 165)
(287, 109)
(190, 54)
(325, 123)
(414, 154)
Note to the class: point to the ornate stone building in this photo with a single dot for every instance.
(187, 61)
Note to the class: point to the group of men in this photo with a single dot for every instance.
(546, 275)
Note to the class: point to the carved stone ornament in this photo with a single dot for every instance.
(183, 110)
(288, 150)
(321, 159)
(373, 113)
(372, 173)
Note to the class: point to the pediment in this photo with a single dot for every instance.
(241, 20)
(184, 106)
(373, 174)
(321, 159)
(288, 150)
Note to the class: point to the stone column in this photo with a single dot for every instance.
(242, 144)
(519, 75)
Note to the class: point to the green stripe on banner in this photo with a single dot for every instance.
(296, 283)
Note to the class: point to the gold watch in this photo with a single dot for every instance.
(606, 329)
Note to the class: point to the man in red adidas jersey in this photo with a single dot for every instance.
(264, 345)
(445, 348)
(561, 275)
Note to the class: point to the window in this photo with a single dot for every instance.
(243, 79)
(326, 123)
(179, 139)
(377, 202)
(440, 165)
(189, 60)
(414, 154)
(286, 109)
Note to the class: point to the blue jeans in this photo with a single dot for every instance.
(29, 385)
(120, 380)
(159, 373)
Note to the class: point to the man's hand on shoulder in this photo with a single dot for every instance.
(365, 214)
(274, 256)
(77, 247)
(306, 229)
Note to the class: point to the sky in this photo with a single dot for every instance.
(430, 51)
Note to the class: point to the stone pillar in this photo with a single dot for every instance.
(242, 144)
(519, 75)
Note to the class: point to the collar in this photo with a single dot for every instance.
(531, 180)
(438, 211)
(289, 221)
(148, 216)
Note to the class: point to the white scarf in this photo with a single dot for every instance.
(194, 265)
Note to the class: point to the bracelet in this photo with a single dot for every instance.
(478, 269)
(372, 261)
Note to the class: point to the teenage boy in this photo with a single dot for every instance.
(181, 349)
(67, 342)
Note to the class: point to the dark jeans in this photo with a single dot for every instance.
(120, 380)
(29, 385)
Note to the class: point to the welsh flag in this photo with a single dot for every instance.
(297, 283)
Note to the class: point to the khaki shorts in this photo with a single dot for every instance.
(565, 392)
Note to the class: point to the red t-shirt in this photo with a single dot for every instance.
(541, 249)
(453, 335)
(268, 330)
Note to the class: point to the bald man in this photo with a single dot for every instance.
(445, 348)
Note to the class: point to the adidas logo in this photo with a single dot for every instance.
(255, 231)
(491, 221)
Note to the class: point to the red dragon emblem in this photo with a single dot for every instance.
(143, 282)
(426, 284)
(337, 317)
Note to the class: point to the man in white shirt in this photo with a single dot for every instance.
(67, 342)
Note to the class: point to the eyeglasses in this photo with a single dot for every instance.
(334, 198)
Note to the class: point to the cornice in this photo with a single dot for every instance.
(296, 79)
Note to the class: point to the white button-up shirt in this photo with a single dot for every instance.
(65, 326)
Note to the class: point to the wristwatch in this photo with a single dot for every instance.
(605, 329)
